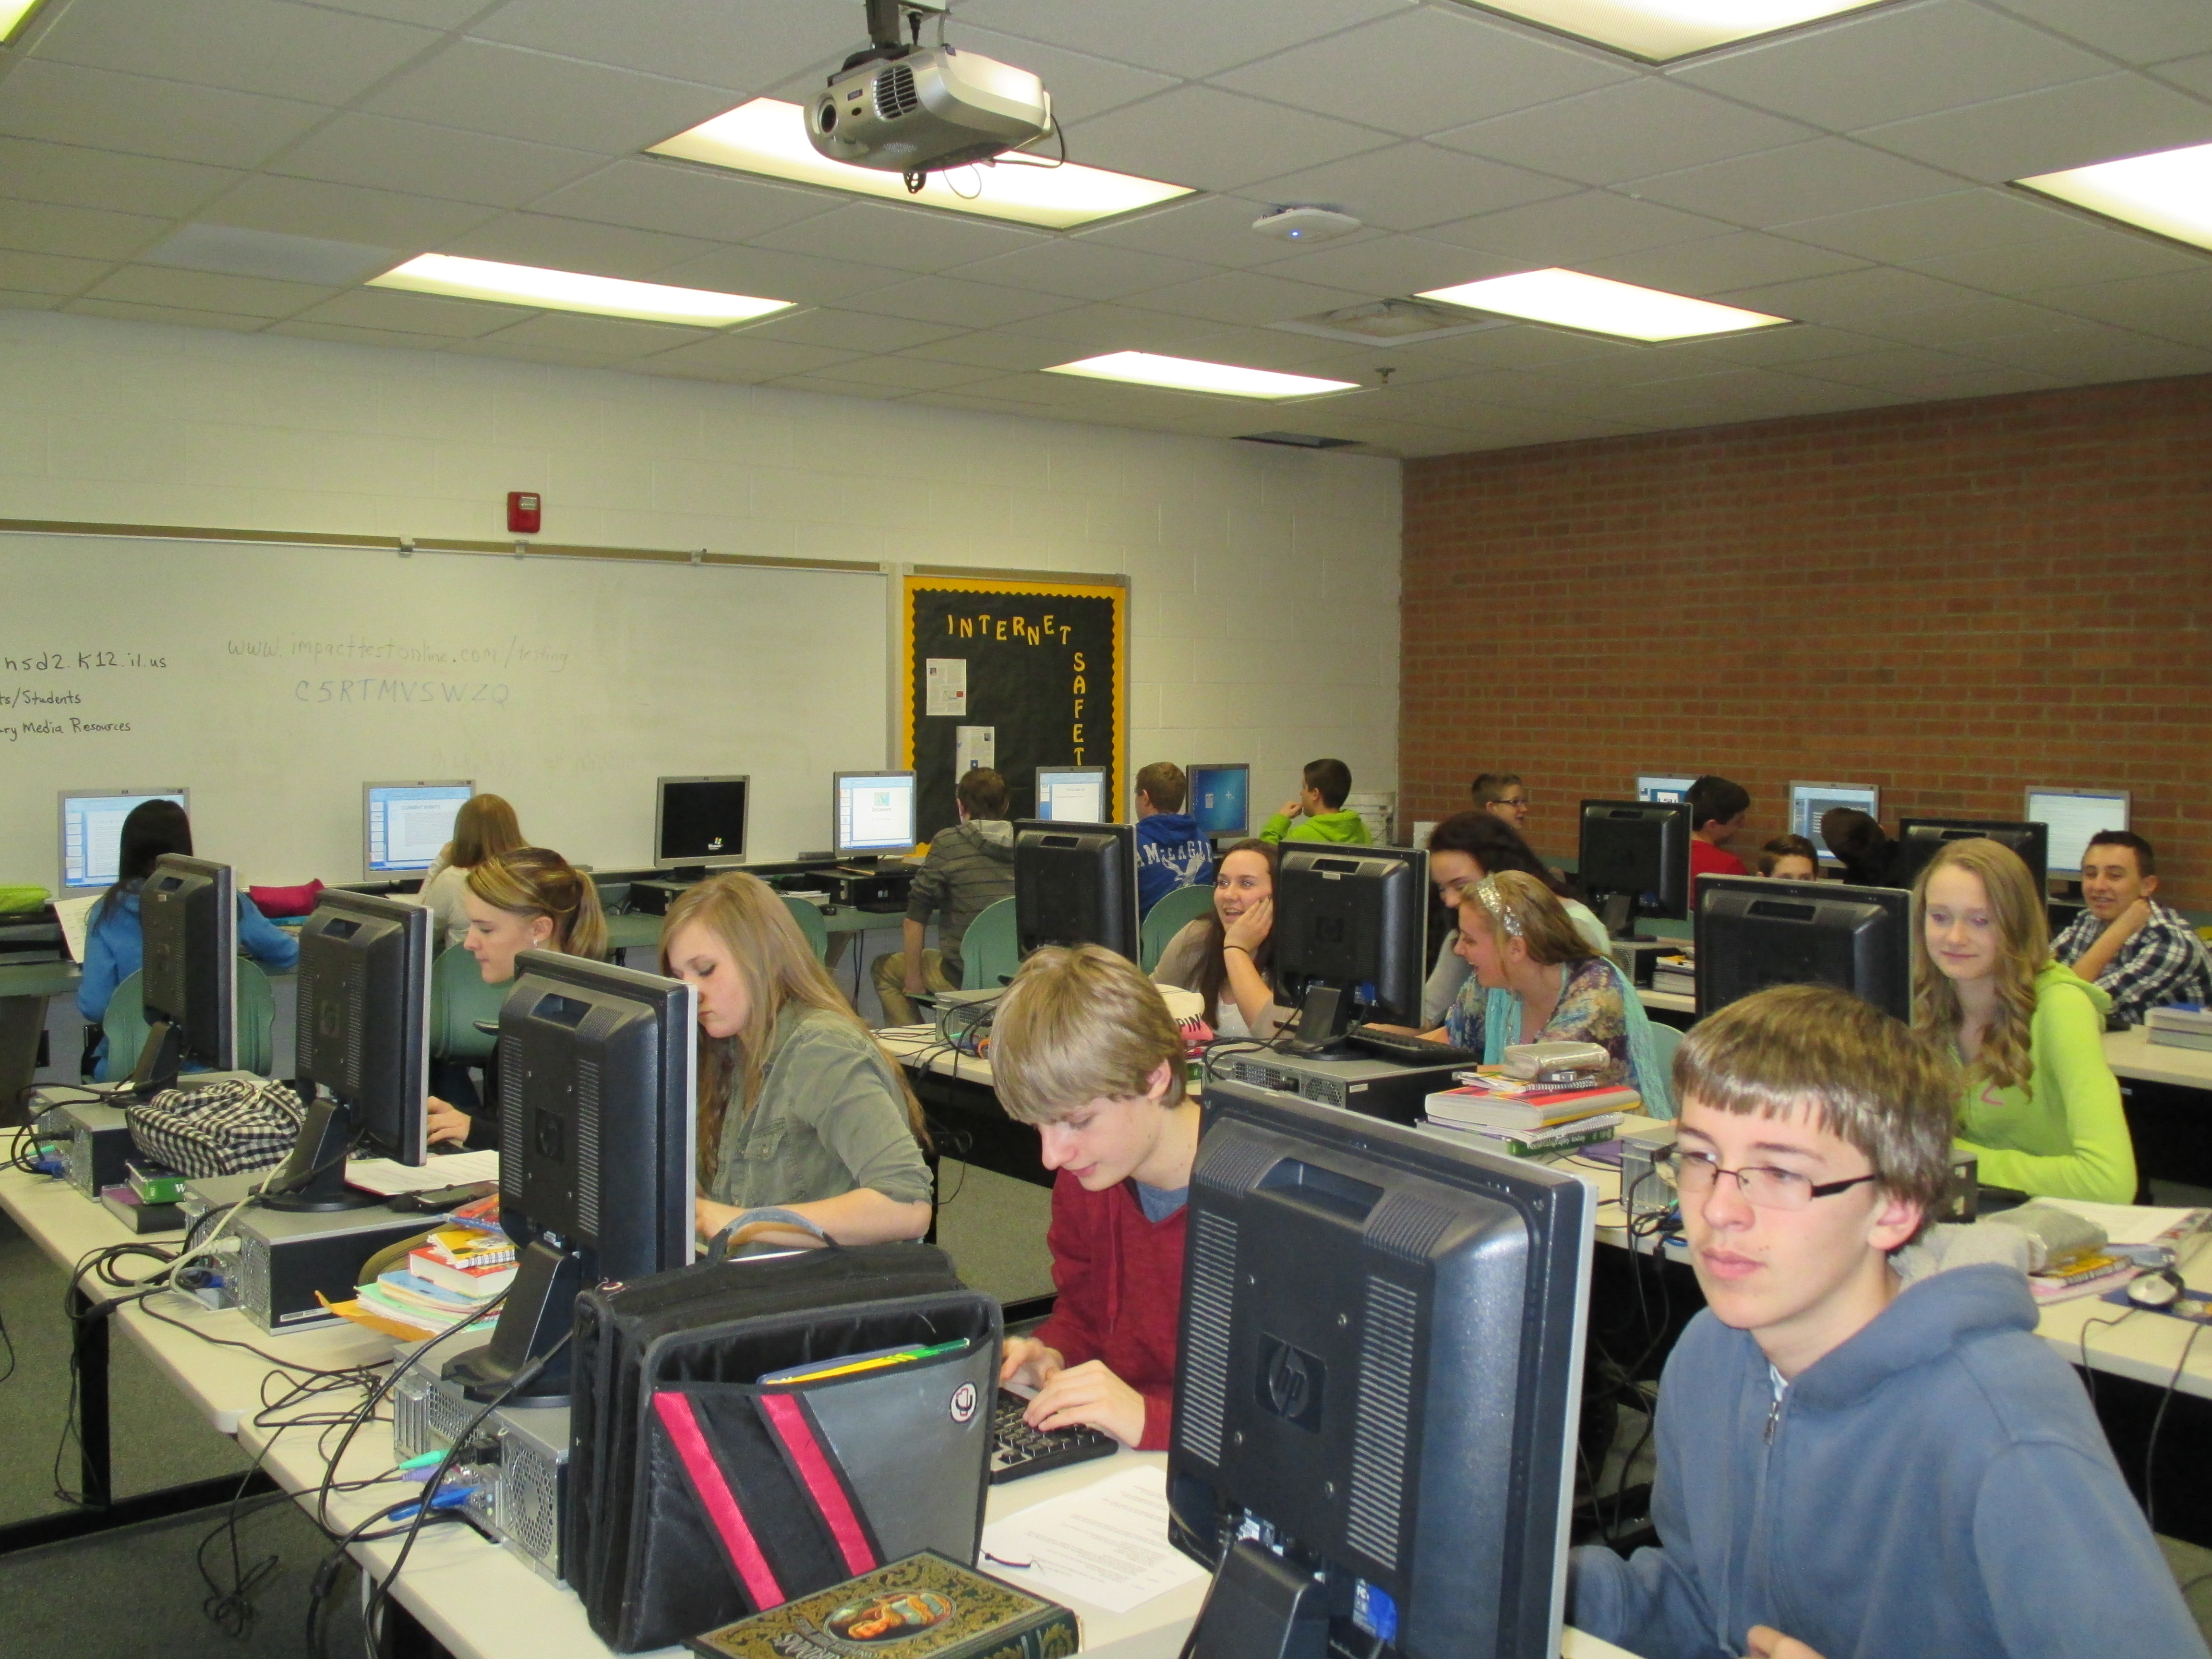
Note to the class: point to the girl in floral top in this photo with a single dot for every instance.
(1536, 979)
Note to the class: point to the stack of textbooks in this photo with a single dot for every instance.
(1529, 1119)
(2183, 1025)
(2087, 1274)
(454, 1271)
(1676, 975)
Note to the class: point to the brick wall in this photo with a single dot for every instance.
(1952, 601)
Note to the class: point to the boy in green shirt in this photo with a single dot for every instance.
(1319, 809)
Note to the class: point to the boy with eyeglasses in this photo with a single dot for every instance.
(1864, 1453)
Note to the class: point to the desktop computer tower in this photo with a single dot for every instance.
(284, 1257)
(521, 1469)
(97, 1143)
(1373, 1088)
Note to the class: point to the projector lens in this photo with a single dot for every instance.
(825, 116)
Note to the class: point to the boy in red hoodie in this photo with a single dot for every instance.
(1083, 1047)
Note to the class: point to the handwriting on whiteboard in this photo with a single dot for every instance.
(374, 689)
(511, 653)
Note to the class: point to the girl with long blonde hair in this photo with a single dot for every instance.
(2042, 1108)
(799, 1107)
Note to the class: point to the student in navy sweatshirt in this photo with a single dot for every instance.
(1865, 1450)
(1172, 851)
(1084, 1048)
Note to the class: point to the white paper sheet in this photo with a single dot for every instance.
(75, 916)
(384, 1177)
(1106, 1545)
(945, 682)
(2125, 1224)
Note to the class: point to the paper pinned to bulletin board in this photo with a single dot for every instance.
(1040, 661)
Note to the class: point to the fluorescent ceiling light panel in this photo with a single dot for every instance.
(1658, 30)
(769, 136)
(1189, 374)
(2170, 192)
(12, 14)
(570, 290)
(1597, 305)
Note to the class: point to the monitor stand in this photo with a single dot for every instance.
(312, 1179)
(1324, 1017)
(540, 1310)
(159, 1061)
(1260, 1607)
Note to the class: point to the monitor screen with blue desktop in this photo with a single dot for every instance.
(1071, 794)
(92, 832)
(1808, 801)
(1664, 788)
(404, 826)
(1221, 798)
(874, 812)
(2072, 816)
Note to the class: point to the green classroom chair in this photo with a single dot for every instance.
(1176, 911)
(1665, 1039)
(990, 950)
(460, 998)
(124, 1023)
(808, 915)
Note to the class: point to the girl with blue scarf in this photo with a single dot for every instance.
(1537, 980)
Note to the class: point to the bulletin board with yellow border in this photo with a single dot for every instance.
(1039, 663)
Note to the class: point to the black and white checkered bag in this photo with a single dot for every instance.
(219, 1128)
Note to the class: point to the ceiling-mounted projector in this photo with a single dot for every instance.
(901, 107)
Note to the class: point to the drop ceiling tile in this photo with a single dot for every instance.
(73, 175)
(522, 351)
(2140, 32)
(957, 300)
(1642, 126)
(744, 45)
(18, 299)
(1084, 270)
(2061, 261)
(605, 336)
(1892, 62)
(1893, 368)
(340, 334)
(1001, 352)
(1799, 181)
(415, 313)
(1410, 187)
(1247, 296)
(2194, 74)
(1962, 327)
(200, 291)
(249, 45)
(1719, 264)
(70, 105)
(2153, 305)
(1421, 71)
(539, 239)
(125, 312)
(50, 273)
(906, 373)
(1216, 230)
(1964, 222)
(412, 156)
(769, 272)
(1852, 297)
(1213, 140)
(851, 330)
(1264, 348)
(87, 232)
(431, 14)
(552, 100)
(905, 238)
(745, 357)
(2096, 351)
(684, 201)
(1388, 267)
(1806, 343)
(1171, 36)
(1093, 328)
(1572, 230)
(827, 386)
(346, 213)
(1081, 85)
(2067, 127)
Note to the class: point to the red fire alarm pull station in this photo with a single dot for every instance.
(522, 512)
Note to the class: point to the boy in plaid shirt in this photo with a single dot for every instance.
(2141, 953)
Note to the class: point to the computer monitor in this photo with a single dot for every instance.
(92, 832)
(1665, 786)
(1919, 840)
(597, 1149)
(188, 916)
(1634, 859)
(1753, 933)
(1379, 1384)
(2070, 818)
(1350, 937)
(404, 826)
(1076, 883)
(1071, 794)
(363, 1045)
(1221, 798)
(698, 822)
(873, 812)
(1809, 801)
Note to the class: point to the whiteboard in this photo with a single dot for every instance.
(274, 681)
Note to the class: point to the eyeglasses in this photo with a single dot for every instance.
(1693, 1175)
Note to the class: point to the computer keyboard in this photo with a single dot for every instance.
(1408, 1051)
(1018, 1450)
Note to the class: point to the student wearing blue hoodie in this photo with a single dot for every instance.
(1865, 1450)
(115, 943)
(1172, 851)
